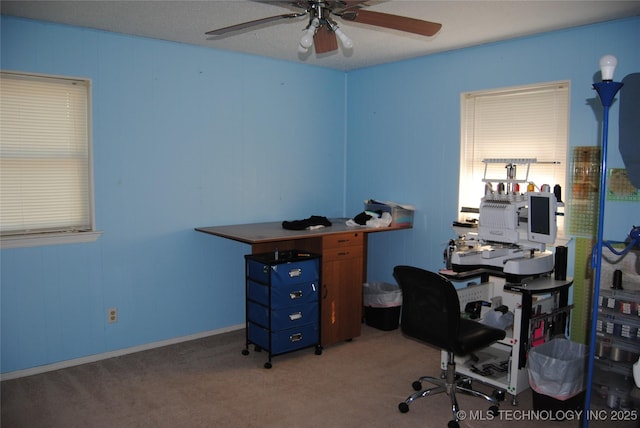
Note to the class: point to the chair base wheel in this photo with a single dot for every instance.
(453, 424)
(417, 385)
(403, 407)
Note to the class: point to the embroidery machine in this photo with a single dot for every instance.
(513, 230)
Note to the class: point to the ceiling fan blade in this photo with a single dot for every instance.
(325, 40)
(395, 22)
(249, 24)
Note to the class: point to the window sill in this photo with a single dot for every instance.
(42, 239)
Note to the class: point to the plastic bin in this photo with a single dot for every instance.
(382, 304)
(400, 215)
(556, 374)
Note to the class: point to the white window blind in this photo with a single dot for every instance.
(517, 123)
(45, 159)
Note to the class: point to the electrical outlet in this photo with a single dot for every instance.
(112, 315)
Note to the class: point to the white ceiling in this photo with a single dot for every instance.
(464, 24)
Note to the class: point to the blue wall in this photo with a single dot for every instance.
(186, 136)
(183, 137)
(404, 128)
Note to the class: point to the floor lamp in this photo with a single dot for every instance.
(607, 90)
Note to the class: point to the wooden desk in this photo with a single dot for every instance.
(344, 265)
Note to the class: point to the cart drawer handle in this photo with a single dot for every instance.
(293, 273)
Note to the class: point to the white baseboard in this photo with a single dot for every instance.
(97, 357)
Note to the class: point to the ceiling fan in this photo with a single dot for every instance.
(322, 29)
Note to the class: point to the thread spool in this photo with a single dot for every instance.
(617, 354)
(531, 187)
(602, 350)
(557, 190)
(613, 401)
(617, 280)
(545, 188)
(560, 268)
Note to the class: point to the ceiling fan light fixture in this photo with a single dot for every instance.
(307, 38)
(347, 43)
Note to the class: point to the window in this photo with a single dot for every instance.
(528, 122)
(46, 194)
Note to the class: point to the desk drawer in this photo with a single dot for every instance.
(281, 319)
(342, 240)
(342, 253)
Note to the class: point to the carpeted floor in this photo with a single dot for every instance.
(209, 383)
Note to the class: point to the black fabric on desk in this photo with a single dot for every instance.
(314, 220)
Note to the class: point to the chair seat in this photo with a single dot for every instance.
(474, 335)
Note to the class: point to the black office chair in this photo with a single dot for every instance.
(431, 314)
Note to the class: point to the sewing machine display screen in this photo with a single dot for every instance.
(542, 217)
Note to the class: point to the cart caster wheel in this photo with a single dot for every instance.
(319, 350)
(494, 411)
(417, 385)
(498, 394)
(267, 365)
(453, 424)
(245, 352)
(403, 407)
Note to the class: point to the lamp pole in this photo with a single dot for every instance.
(607, 90)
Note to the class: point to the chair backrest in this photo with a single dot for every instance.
(430, 306)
